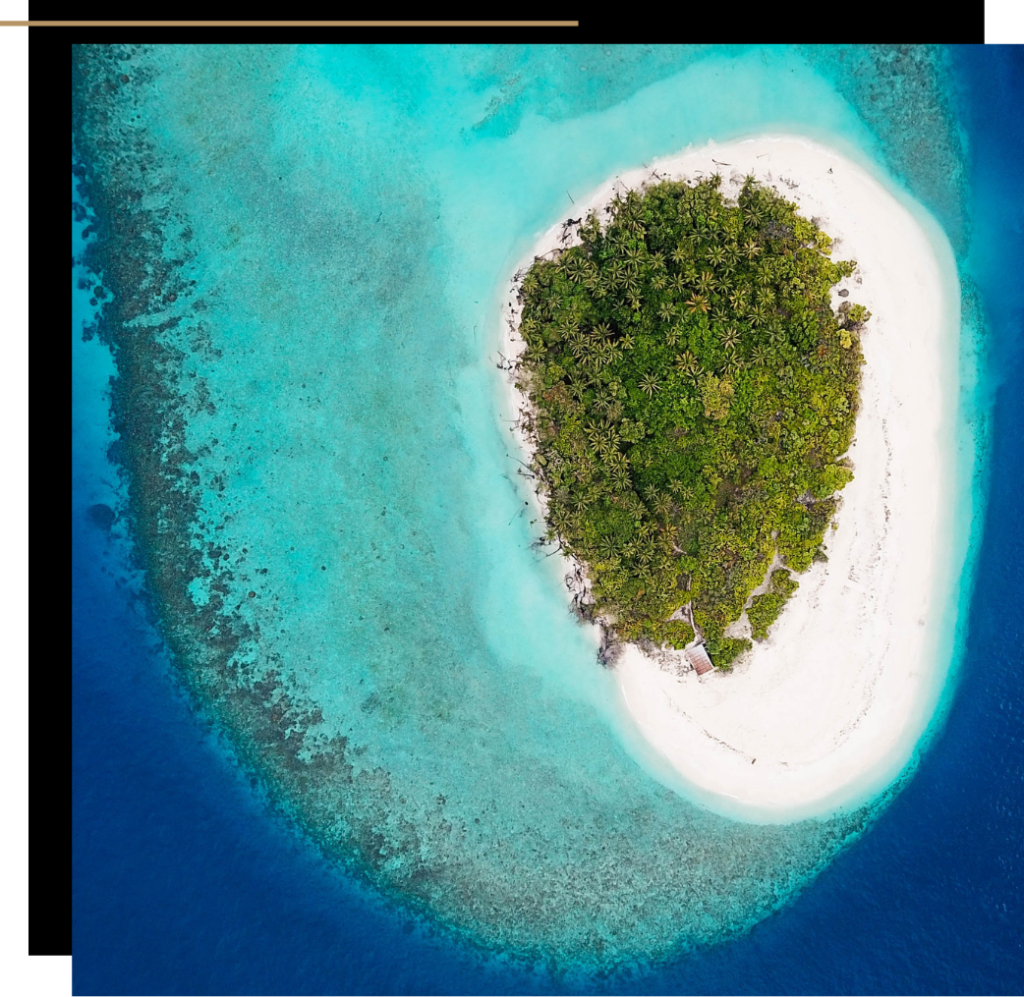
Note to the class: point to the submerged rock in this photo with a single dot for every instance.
(101, 516)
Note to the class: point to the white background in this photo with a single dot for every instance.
(19, 973)
(1004, 22)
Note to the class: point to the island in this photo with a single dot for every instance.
(693, 395)
(752, 487)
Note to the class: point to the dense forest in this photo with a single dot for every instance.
(693, 394)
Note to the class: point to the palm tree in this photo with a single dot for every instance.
(706, 281)
(649, 384)
(605, 354)
(576, 270)
(730, 339)
(751, 249)
(619, 462)
(565, 327)
(698, 302)
(620, 476)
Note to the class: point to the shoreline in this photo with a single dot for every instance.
(828, 710)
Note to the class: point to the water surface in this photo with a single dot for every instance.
(304, 248)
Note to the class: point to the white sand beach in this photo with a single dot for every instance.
(828, 710)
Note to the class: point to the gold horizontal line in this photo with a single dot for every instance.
(289, 24)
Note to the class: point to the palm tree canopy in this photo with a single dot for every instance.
(686, 352)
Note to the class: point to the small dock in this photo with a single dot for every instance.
(698, 657)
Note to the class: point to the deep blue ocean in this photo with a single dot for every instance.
(186, 881)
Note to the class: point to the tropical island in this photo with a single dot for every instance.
(848, 657)
(693, 394)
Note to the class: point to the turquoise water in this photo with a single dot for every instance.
(308, 250)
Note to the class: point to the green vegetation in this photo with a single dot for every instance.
(764, 609)
(693, 396)
(725, 650)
